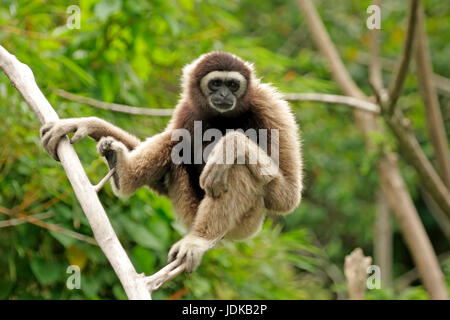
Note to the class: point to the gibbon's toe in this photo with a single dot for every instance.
(105, 145)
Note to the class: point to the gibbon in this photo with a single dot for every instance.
(222, 99)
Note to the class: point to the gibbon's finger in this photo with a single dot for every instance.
(79, 134)
(173, 252)
(53, 145)
(190, 262)
(45, 128)
(45, 138)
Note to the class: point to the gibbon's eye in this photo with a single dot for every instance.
(233, 85)
(215, 84)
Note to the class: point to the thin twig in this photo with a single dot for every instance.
(403, 64)
(170, 271)
(440, 82)
(48, 226)
(114, 106)
(335, 99)
(105, 179)
(18, 221)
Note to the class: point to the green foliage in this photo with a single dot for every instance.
(132, 52)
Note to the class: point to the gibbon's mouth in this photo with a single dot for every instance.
(222, 105)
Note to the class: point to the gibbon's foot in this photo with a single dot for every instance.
(111, 149)
(214, 179)
(190, 251)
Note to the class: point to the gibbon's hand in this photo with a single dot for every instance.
(52, 132)
(190, 251)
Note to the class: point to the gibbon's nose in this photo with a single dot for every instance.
(223, 93)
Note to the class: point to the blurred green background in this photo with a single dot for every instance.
(132, 52)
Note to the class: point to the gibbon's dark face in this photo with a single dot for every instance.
(222, 89)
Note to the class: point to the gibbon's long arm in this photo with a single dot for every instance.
(96, 128)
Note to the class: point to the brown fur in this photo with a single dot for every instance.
(212, 200)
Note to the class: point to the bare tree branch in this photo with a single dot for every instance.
(48, 226)
(318, 97)
(332, 98)
(403, 65)
(436, 127)
(22, 78)
(18, 221)
(383, 241)
(392, 183)
(440, 82)
(102, 182)
(376, 77)
(412, 151)
(383, 223)
(114, 106)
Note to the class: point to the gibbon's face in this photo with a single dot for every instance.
(222, 89)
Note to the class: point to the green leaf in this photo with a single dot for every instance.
(46, 272)
(142, 235)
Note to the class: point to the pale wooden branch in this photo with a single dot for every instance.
(383, 240)
(355, 270)
(135, 285)
(403, 64)
(102, 182)
(412, 151)
(155, 281)
(114, 106)
(17, 221)
(375, 72)
(435, 122)
(391, 181)
(335, 99)
(383, 224)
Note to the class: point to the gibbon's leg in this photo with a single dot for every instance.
(282, 195)
(233, 205)
(236, 214)
(282, 192)
(96, 128)
(147, 164)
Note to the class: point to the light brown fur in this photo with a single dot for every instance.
(213, 200)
